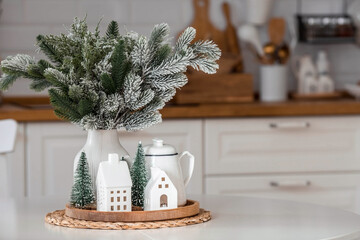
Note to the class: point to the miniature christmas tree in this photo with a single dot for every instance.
(138, 177)
(82, 194)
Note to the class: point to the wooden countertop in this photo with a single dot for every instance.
(38, 109)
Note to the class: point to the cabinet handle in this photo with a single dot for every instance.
(306, 183)
(290, 125)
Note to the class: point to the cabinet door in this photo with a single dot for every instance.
(12, 168)
(337, 190)
(52, 147)
(273, 145)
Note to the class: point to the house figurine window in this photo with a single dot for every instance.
(118, 199)
(112, 192)
(160, 186)
(118, 191)
(118, 207)
(112, 208)
(124, 207)
(124, 198)
(124, 191)
(112, 199)
(166, 185)
(162, 179)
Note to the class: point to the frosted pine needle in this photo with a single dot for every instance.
(111, 81)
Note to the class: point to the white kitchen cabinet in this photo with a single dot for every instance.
(50, 152)
(337, 190)
(311, 159)
(51, 148)
(282, 145)
(13, 174)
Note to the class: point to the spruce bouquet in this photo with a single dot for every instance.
(111, 81)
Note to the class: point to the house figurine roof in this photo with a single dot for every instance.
(155, 174)
(115, 173)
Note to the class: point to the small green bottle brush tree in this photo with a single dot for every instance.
(111, 81)
(138, 177)
(82, 195)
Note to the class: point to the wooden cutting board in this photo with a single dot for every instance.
(230, 31)
(204, 28)
(231, 36)
(217, 88)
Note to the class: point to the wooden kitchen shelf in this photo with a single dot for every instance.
(38, 109)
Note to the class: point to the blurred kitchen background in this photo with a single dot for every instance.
(305, 147)
(22, 20)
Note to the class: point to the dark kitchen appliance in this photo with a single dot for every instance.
(326, 29)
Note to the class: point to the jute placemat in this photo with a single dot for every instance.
(59, 218)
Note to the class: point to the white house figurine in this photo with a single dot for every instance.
(113, 184)
(160, 192)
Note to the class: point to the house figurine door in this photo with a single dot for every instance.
(163, 201)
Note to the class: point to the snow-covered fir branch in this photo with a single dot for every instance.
(18, 63)
(111, 81)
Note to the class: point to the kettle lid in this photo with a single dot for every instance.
(158, 148)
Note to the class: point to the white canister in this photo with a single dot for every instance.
(258, 11)
(273, 83)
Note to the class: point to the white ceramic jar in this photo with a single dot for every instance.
(258, 11)
(273, 83)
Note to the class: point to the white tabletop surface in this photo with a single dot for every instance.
(233, 218)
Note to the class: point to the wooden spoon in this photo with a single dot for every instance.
(276, 50)
(276, 30)
(269, 53)
(283, 53)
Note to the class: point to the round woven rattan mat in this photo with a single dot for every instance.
(59, 218)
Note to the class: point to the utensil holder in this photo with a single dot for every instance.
(273, 83)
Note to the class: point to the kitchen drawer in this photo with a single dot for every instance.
(337, 190)
(276, 145)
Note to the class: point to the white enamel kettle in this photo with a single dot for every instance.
(179, 168)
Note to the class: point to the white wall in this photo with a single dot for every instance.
(22, 20)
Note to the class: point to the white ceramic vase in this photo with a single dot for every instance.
(98, 145)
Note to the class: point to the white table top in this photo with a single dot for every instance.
(233, 218)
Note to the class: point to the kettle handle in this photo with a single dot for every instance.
(187, 167)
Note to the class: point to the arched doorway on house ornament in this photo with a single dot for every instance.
(163, 201)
